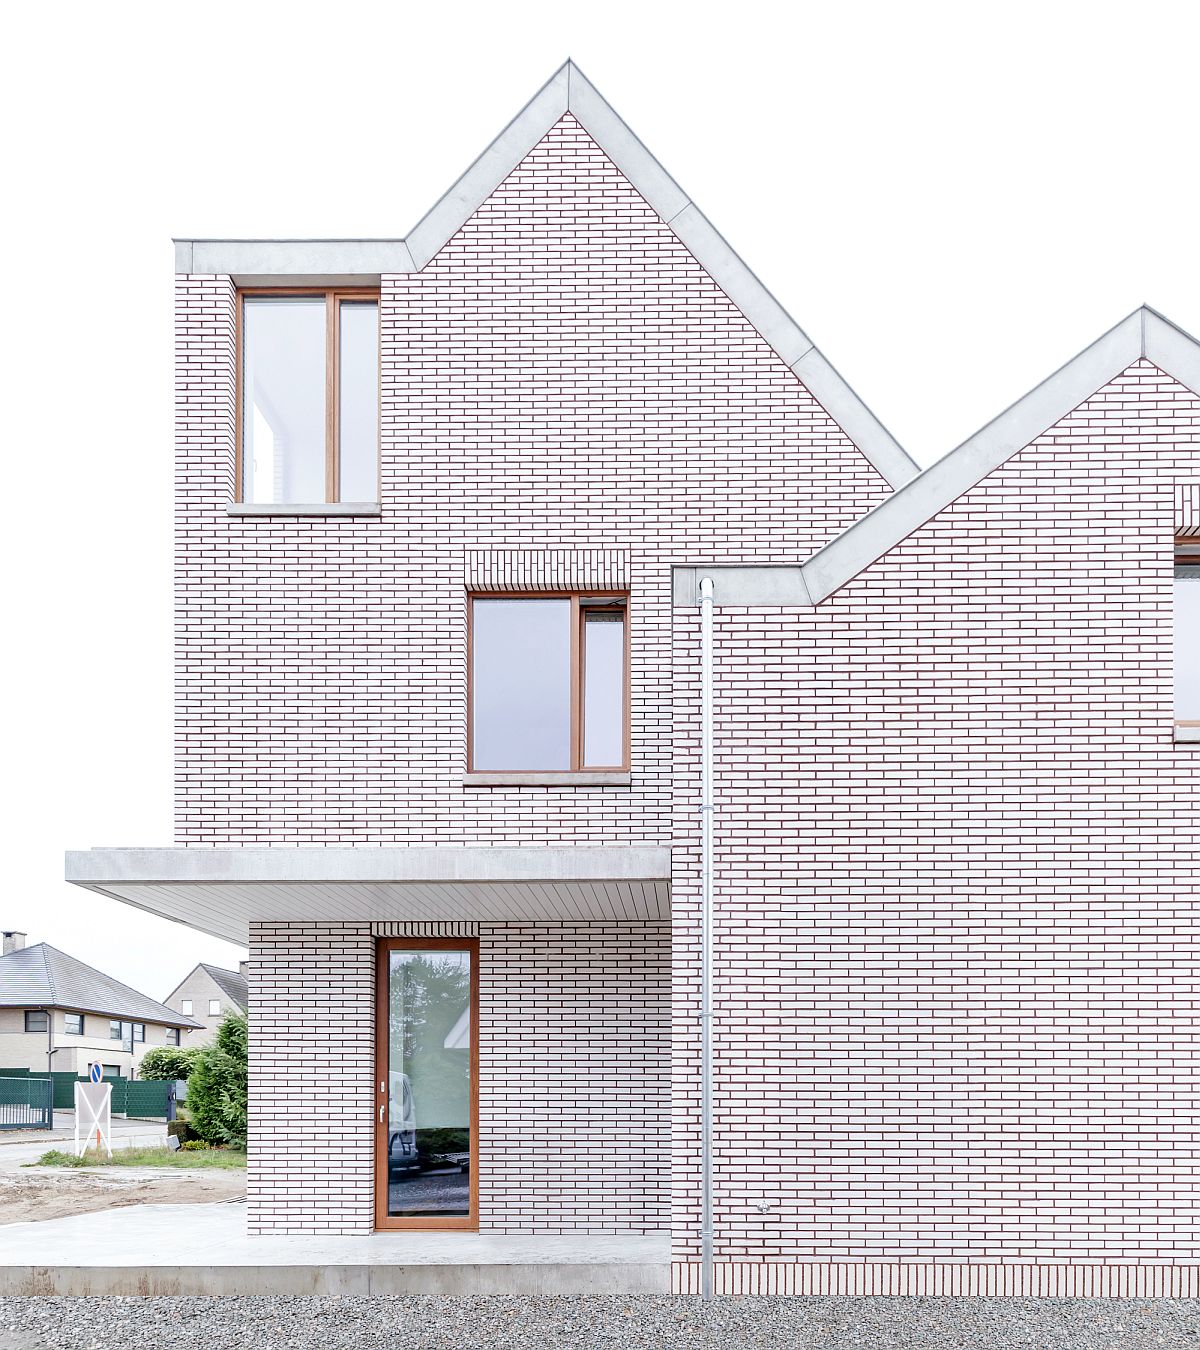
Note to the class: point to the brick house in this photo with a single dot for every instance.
(59, 1014)
(440, 755)
(206, 994)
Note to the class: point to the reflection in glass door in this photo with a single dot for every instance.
(425, 1169)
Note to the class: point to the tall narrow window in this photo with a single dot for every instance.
(308, 426)
(427, 1078)
(1187, 640)
(548, 683)
(603, 688)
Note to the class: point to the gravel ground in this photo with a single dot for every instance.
(426, 1323)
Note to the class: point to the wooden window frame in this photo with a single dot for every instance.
(333, 297)
(385, 1222)
(1187, 554)
(578, 667)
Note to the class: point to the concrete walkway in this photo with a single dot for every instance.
(204, 1249)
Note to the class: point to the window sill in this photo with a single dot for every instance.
(304, 509)
(1187, 735)
(594, 778)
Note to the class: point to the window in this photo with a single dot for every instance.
(114, 1031)
(73, 1024)
(1187, 637)
(308, 371)
(139, 1031)
(172, 1036)
(187, 1007)
(548, 683)
(214, 1007)
(37, 1021)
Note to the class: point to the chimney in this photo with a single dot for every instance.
(13, 941)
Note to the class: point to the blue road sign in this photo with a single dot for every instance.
(97, 1072)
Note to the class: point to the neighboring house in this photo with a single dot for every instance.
(440, 675)
(206, 995)
(58, 1013)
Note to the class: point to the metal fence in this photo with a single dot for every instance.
(26, 1103)
(142, 1097)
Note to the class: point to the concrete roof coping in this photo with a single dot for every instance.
(1144, 334)
(312, 261)
(590, 862)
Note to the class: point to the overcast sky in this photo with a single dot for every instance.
(950, 199)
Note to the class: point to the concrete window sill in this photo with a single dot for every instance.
(304, 509)
(1187, 735)
(595, 779)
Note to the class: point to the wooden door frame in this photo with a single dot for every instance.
(422, 1222)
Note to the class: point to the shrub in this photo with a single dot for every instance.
(217, 1086)
(57, 1158)
(195, 1145)
(167, 1062)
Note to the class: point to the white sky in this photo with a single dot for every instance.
(950, 199)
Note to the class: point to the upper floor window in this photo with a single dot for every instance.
(214, 1007)
(308, 374)
(1187, 635)
(139, 1031)
(172, 1037)
(73, 1024)
(115, 1030)
(186, 1009)
(37, 1021)
(549, 679)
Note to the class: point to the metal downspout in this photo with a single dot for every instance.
(706, 936)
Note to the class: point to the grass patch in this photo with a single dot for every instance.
(225, 1158)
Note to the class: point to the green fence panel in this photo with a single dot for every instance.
(14, 1073)
(147, 1097)
(120, 1088)
(26, 1103)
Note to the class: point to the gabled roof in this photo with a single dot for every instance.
(568, 90)
(231, 983)
(1144, 334)
(43, 977)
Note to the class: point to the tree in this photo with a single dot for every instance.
(216, 1100)
(167, 1061)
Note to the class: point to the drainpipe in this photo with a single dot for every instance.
(706, 934)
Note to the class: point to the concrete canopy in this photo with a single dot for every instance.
(222, 890)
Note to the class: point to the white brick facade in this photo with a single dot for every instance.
(956, 946)
(574, 1049)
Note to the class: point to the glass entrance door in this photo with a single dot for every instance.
(425, 1093)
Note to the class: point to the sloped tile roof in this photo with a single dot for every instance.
(231, 983)
(43, 977)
